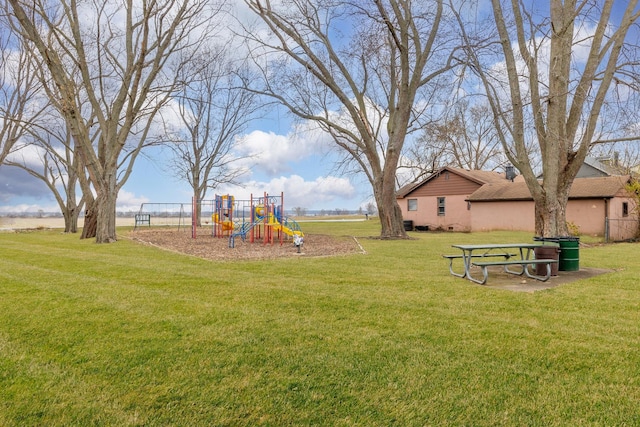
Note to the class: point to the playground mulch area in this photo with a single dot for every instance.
(208, 247)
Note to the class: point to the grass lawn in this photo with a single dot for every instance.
(125, 334)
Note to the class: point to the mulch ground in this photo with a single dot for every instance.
(208, 247)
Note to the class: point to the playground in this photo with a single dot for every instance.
(258, 219)
(228, 228)
(209, 247)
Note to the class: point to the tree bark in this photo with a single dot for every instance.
(70, 220)
(106, 227)
(550, 215)
(390, 214)
(90, 221)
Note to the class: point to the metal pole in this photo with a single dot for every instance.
(193, 217)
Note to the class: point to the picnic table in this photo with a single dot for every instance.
(501, 254)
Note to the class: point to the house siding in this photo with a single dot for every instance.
(502, 215)
(622, 227)
(455, 189)
(480, 201)
(456, 218)
(589, 215)
(446, 184)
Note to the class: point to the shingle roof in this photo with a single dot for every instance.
(482, 177)
(479, 176)
(582, 188)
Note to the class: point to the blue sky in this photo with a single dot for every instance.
(283, 160)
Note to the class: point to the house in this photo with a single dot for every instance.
(461, 200)
(440, 201)
(594, 168)
(597, 206)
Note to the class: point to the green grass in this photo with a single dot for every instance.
(125, 334)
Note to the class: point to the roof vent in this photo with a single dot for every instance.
(510, 173)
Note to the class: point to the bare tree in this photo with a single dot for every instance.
(466, 138)
(620, 155)
(299, 211)
(55, 165)
(119, 51)
(365, 72)
(558, 67)
(213, 108)
(18, 86)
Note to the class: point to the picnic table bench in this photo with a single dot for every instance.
(450, 257)
(505, 259)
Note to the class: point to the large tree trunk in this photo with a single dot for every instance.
(391, 219)
(100, 219)
(106, 210)
(106, 230)
(90, 221)
(71, 210)
(70, 220)
(392, 226)
(551, 213)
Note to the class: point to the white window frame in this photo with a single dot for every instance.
(441, 206)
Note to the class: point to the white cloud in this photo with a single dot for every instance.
(128, 201)
(29, 155)
(28, 208)
(274, 154)
(322, 193)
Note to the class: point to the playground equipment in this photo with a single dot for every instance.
(163, 214)
(258, 219)
(222, 217)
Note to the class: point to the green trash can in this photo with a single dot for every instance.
(569, 257)
(569, 254)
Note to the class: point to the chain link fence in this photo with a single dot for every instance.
(621, 229)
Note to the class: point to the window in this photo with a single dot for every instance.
(625, 209)
(440, 206)
(412, 204)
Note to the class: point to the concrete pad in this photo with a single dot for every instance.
(498, 279)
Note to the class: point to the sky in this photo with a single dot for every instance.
(282, 159)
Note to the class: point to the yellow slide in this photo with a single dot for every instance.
(226, 224)
(278, 226)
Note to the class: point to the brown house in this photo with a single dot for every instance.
(460, 200)
(440, 202)
(597, 206)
